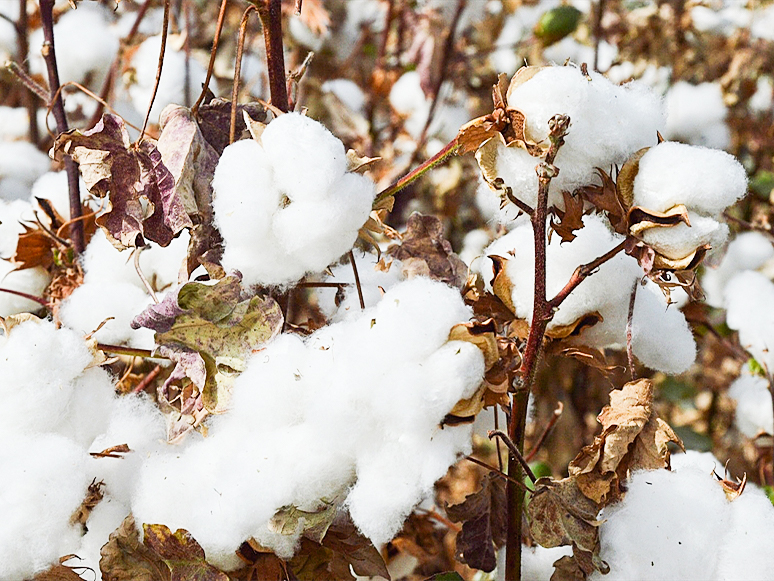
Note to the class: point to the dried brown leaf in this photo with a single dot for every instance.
(181, 553)
(125, 558)
(570, 219)
(606, 198)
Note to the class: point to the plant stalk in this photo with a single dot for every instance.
(270, 12)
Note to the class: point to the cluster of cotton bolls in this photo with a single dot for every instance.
(287, 205)
(349, 415)
(605, 293)
(58, 407)
(681, 525)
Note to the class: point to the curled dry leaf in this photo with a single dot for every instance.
(484, 523)
(314, 523)
(633, 437)
(570, 219)
(143, 201)
(125, 558)
(180, 552)
(424, 251)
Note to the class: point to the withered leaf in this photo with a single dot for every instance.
(262, 564)
(181, 553)
(125, 558)
(579, 566)
(587, 355)
(33, 248)
(482, 335)
(426, 250)
(502, 286)
(286, 521)
(484, 523)
(93, 497)
(59, 572)
(606, 198)
(215, 121)
(218, 325)
(570, 219)
(141, 190)
(560, 514)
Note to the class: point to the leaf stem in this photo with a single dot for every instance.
(159, 67)
(238, 71)
(131, 351)
(213, 52)
(42, 302)
(22, 53)
(357, 280)
(514, 451)
(629, 317)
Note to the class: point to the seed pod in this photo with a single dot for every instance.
(557, 23)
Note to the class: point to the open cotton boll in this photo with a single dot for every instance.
(704, 180)
(473, 246)
(652, 534)
(373, 282)
(704, 461)
(347, 92)
(44, 482)
(608, 124)
(21, 163)
(89, 405)
(14, 121)
(680, 240)
(754, 414)
(286, 206)
(171, 87)
(570, 49)
(32, 281)
(661, 337)
(748, 251)
(696, 114)
(105, 518)
(93, 303)
(388, 376)
(749, 296)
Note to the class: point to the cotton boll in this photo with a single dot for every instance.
(53, 186)
(38, 364)
(90, 404)
(106, 517)
(697, 114)
(705, 180)
(681, 240)
(473, 245)
(703, 461)
(32, 281)
(93, 303)
(749, 296)
(754, 414)
(661, 337)
(608, 124)
(14, 121)
(281, 219)
(748, 251)
(21, 163)
(653, 534)
(763, 98)
(44, 482)
(347, 92)
(747, 551)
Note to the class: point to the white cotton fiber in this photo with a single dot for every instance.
(754, 414)
(351, 415)
(696, 114)
(32, 281)
(12, 213)
(748, 251)
(286, 206)
(680, 240)
(704, 180)
(347, 92)
(53, 187)
(44, 482)
(93, 303)
(537, 563)
(608, 124)
(106, 517)
(21, 163)
(749, 296)
(14, 121)
(680, 525)
(374, 282)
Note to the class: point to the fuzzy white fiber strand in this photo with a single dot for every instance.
(287, 206)
(652, 534)
(605, 292)
(754, 414)
(749, 297)
(608, 124)
(351, 414)
(21, 163)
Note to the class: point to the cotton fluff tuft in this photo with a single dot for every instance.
(697, 114)
(606, 292)
(754, 414)
(652, 533)
(287, 206)
(44, 482)
(749, 296)
(350, 414)
(21, 163)
(608, 124)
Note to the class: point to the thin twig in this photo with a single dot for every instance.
(298, 7)
(629, 318)
(131, 351)
(159, 67)
(598, 32)
(294, 78)
(27, 81)
(324, 284)
(213, 52)
(270, 12)
(514, 451)
(357, 280)
(546, 431)
(49, 56)
(105, 104)
(750, 226)
(238, 71)
(498, 472)
(449, 150)
(144, 280)
(42, 302)
(147, 380)
(497, 442)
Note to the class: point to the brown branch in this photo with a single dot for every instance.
(238, 71)
(213, 52)
(270, 12)
(629, 318)
(49, 56)
(131, 351)
(583, 271)
(500, 473)
(546, 431)
(159, 67)
(22, 53)
(357, 280)
(147, 380)
(514, 452)
(33, 298)
(598, 32)
(31, 84)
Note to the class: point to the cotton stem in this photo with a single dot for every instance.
(238, 71)
(270, 12)
(159, 67)
(22, 53)
(213, 52)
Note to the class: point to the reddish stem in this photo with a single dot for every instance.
(270, 12)
(213, 52)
